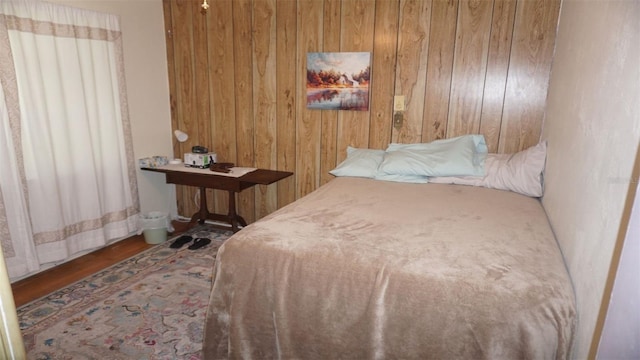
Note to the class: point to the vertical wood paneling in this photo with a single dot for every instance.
(264, 89)
(240, 86)
(243, 89)
(411, 68)
(177, 147)
(185, 90)
(169, 36)
(357, 25)
(439, 67)
(308, 122)
(528, 79)
(222, 82)
(202, 119)
(497, 67)
(329, 137)
(382, 79)
(469, 66)
(201, 70)
(286, 16)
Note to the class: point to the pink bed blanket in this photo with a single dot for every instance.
(366, 269)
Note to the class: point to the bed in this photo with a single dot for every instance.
(370, 269)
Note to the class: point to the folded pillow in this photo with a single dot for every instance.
(414, 179)
(359, 163)
(364, 163)
(520, 172)
(459, 156)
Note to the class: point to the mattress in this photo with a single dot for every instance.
(366, 269)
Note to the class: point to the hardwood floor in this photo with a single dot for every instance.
(43, 283)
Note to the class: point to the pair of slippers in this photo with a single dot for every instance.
(184, 239)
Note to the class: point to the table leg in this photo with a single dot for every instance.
(232, 211)
(233, 216)
(203, 213)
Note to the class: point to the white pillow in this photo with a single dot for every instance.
(520, 172)
(359, 163)
(462, 155)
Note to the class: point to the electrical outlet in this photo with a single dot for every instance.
(398, 103)
(397, 120)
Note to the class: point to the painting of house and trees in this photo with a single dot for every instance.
(338, 80)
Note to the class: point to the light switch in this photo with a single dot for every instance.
(398, 103)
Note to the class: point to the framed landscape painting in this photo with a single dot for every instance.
(338, 80)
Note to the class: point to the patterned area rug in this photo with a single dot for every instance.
(150, 306)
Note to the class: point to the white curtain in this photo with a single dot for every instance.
(67, 175)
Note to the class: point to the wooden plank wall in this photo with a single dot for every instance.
(237, 81)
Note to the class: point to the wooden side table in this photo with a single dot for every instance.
(207, 179)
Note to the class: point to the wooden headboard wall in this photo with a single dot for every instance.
(237, 80)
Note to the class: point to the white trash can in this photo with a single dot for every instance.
(154, 225)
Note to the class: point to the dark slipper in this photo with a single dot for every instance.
(200, 242)
(181, 241)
